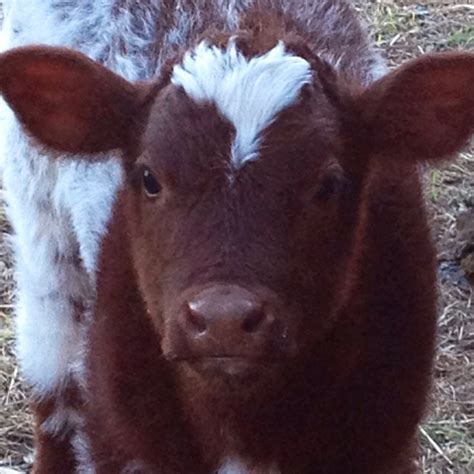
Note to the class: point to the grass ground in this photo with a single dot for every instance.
(403, 29)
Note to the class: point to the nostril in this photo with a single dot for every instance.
(253, 320)
(195, 319)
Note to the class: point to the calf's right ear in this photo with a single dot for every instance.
(69, 102)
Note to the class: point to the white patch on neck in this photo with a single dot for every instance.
(248, 92)
(233, 466)
(238, 466)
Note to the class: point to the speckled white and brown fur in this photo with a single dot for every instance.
(59, 209)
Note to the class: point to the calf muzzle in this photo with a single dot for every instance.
(229, 327)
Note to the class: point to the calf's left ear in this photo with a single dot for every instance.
(422, 111)
(67, 101)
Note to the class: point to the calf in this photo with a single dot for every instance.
(265, 288)
(59, 210)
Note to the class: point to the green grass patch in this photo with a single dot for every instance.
(463, 37)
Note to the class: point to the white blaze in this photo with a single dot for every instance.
(248, 92)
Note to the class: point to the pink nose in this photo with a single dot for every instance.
(227, 320)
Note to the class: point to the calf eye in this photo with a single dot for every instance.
(150, 183)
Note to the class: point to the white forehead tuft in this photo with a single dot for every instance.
(247, 92)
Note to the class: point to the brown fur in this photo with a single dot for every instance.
(329, 222)
(54, 450)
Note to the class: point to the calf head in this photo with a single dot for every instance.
(244, 178)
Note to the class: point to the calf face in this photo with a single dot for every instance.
(245, 181)
(232, 213)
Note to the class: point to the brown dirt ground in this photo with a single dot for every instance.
(403, 29)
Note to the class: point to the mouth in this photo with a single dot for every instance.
(228, 366)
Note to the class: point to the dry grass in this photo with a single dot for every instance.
(15, 423)
(404, 30)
